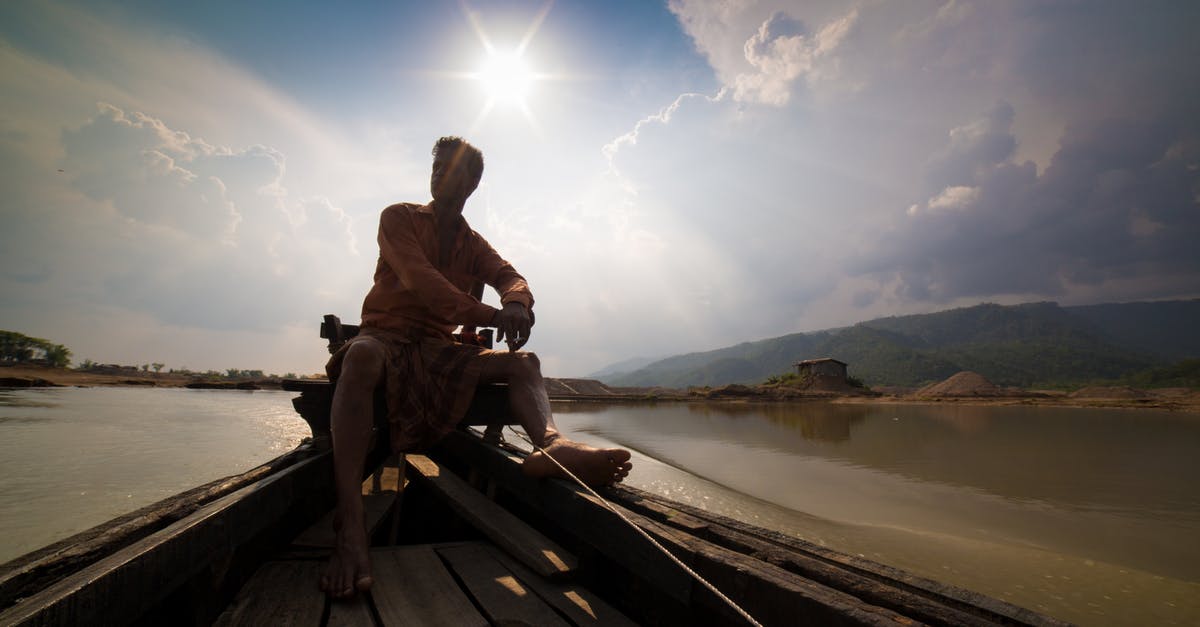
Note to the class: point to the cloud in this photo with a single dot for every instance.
(777, 49)
(779, 58)
(231, 217)
(155, 222)
(209, 237)
(153, 175)
(835, 164)
(951, 198)
(904, 157)
(664, 115)
(1118, 201)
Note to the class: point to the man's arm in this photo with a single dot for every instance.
(399, 248)
(515, 321)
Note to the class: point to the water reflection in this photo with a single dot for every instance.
(71, 458)
(821, 422)
(10, 397)
(1090, 459)
(1055, 507)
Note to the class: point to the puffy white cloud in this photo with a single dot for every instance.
(168, 227)
(952, 198)
(779, 59)
(777, 49)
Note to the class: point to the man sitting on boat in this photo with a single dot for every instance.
(430, 262)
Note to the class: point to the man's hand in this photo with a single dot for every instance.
(513, 324)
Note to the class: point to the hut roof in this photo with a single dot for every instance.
(807, 362)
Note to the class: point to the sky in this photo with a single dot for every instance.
(197, 184)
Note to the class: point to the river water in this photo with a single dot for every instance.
(1089, 515)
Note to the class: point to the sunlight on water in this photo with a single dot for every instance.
(1087, 515)
(72, 458)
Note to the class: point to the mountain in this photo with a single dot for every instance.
(1034, 344)
(1166, 329)
(627, 365)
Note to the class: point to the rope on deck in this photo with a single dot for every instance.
(728, 601)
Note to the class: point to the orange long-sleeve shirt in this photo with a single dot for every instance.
(413, 294)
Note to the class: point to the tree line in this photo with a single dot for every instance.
(18, 348)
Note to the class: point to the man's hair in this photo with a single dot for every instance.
(454, 144)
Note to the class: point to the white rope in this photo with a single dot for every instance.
(728, 601)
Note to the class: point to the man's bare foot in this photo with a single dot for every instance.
(349, 569)
(595, 466)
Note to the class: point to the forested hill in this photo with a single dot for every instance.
(1020, 345)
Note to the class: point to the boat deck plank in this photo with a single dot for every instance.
(321, 535)
(496, 590)
(353, 613)
(279, 593)
(539, 553)
(574, 601)
(413, 587)
(453, 584)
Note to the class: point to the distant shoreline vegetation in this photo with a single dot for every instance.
(18, 349)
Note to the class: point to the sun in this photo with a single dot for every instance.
(505, 75)
(506, 78)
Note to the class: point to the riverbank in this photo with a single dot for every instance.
(43, 376)
(1171, 399)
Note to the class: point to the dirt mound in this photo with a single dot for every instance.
(965, 383)
(1116, 391)
(732, 390)
(576, 387)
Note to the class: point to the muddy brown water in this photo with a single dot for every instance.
(1090, 515)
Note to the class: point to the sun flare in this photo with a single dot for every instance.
(506, 78)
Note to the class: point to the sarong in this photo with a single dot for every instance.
(429, 384)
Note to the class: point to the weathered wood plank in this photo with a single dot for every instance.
(355, 612)
(573, 600)
(503, 598)
(121, 587)
(321, 533)
(572, 509)
(279, 593)
(770, 593)
(412, 587)
(542, 555)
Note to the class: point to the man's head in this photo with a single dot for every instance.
(457, 168)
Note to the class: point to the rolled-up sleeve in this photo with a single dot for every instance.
(500, 274)
(401, 251)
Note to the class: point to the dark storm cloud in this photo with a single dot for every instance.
(1117, 201)
(1114, 209)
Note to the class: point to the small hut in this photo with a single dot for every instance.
(824, 367)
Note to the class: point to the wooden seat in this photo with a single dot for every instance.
(489, 407)
(536, 551)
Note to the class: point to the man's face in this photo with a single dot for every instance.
(450, 180)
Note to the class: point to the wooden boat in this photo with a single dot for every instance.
(459, 537)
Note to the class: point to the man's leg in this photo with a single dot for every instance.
(351, 418)
(531, 406)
